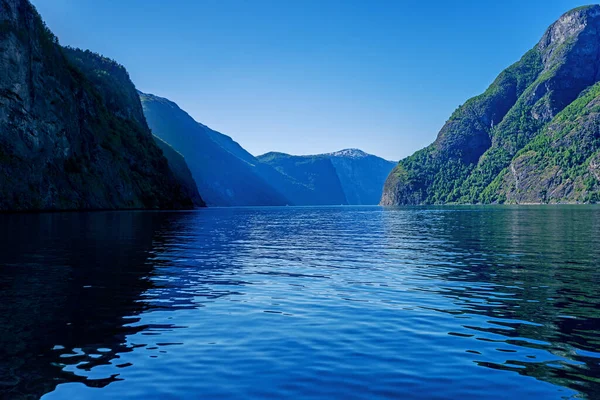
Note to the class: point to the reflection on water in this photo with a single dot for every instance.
(66, 283)
(349, 302)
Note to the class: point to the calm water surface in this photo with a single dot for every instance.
(306, 303)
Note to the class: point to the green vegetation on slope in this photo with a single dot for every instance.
(476, 146)
(558, 165)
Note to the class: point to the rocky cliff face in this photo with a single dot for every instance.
(474, 153)
(71, 134)
(561, 164)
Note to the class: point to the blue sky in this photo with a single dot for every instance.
(311, 76)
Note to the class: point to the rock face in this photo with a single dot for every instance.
(225, 173)
(511, 144)
(348, 176)
(561, 164)
(72, 131)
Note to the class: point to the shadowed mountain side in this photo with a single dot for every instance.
(348, 176)
(72, 131)
(316, 173)
(362, 175)
(181, 171)
(224, 177)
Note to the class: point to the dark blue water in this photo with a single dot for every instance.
(306, 303)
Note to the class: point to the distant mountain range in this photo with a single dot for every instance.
(228, 175)
(532, 137)
(345, 177)
(225, 173)
(75, 135)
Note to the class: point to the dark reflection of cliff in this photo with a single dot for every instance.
(68, 280)
(533, 273)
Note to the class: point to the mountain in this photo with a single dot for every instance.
(345, 177)
(72, 130)
(181, 171)
(315, 173)
(532, 137)
(295, 192)
(225, 173)
(362, 175)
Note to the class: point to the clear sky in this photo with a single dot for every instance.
(311, 76)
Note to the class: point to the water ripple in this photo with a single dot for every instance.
(312, 303)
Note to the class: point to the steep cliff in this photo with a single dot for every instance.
(561, 164)
(477, 145)
(72, 136)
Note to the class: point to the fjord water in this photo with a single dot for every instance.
(339, 302)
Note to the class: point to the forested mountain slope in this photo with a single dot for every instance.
(531, 137)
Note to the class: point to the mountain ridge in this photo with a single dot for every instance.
(225, 173)
(347, 152)
(483, 136)
(361, 175)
